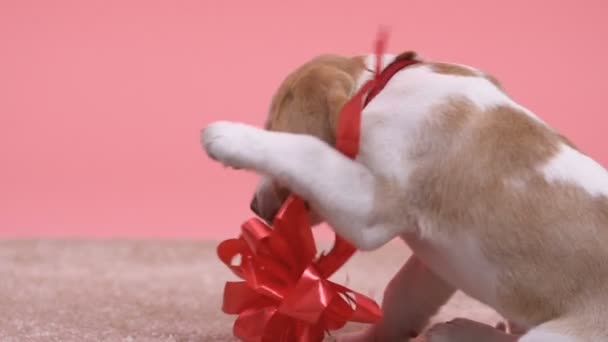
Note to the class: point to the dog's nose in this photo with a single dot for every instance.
(254, 205)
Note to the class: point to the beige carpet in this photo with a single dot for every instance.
(146, 290)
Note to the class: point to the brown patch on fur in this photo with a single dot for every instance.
(310, 99)
(445, 127)
(453, 115)
(568, 271)
(459, 70)
(448, 122)
(513, 140)
(478, 171)
(452, 69)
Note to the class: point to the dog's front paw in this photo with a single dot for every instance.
(232, 144)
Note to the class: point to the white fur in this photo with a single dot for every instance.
(572, 167)
(463, 266)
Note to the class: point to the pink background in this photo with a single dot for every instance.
(101, 102)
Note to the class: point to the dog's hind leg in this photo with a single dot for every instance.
(412, 297)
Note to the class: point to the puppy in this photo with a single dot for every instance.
(491, 200)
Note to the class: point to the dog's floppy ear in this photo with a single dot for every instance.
(310, 100)
(311, 103)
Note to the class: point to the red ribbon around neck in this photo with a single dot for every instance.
(285, 294)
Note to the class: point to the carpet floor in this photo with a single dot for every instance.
(156, 291)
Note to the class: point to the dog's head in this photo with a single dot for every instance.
(308, 102)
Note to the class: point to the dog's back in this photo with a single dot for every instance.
(507, 209)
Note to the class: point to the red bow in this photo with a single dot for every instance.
(286, 295)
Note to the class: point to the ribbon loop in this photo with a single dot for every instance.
(274, 303)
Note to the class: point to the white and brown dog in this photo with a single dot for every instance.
(491, 200)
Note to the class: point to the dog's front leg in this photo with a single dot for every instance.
(340, 190)
(412, 297)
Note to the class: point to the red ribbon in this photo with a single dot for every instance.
(285, 295)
